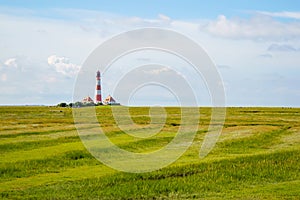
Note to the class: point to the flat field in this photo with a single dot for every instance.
(256, 157)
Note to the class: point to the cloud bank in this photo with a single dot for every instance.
(11, 62)
(250, 46)
(282, 48)
(62, 65)
(283, 14)
(259, 28)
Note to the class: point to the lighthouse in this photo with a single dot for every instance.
(98, 88)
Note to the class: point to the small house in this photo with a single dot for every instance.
(109, 100)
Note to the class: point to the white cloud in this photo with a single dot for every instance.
(257, 28)
(164, 17)
(63, 65)
(157, 71)
(11, 62)
(283, 14)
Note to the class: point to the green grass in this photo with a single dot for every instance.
(256, 157)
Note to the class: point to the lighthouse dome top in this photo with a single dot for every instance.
(98, 73)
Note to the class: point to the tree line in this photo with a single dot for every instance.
(77, 104)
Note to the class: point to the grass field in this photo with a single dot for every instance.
(257, 157)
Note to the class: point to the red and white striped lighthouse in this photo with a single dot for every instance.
(98, 88)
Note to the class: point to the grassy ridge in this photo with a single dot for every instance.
(257, 157)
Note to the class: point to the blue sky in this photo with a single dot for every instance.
(255, 45)
(189, 9)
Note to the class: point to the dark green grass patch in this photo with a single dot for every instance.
(27, 133)
(9, 147)
(53, 164)
(258, 141)
(146, 144)
(226, 178)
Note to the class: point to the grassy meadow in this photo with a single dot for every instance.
(256, 157)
